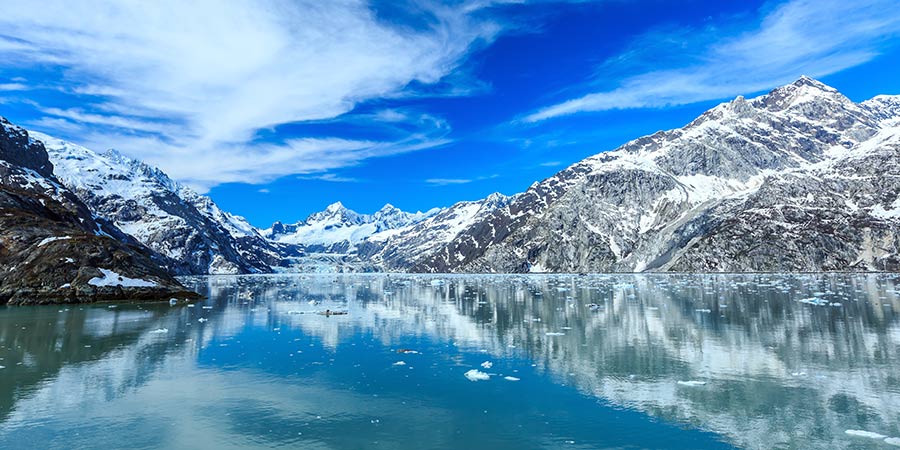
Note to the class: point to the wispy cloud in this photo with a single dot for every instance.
(448, 181)
(189, 85)
(334, 178)
(12, 87)
(812, 37)
(452, 181)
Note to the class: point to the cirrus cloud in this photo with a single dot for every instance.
(189, 86)
(811, 37)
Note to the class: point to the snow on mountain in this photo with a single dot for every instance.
(53, 249)
(339, 230)
(402, 248)
(741, 167)
(171, 219)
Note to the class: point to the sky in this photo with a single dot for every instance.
(277, 108)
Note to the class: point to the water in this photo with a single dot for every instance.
(661, 361)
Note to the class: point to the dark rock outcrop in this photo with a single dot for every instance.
(51, 248)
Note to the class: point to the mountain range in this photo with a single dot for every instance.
(53, 248)
(799, 179)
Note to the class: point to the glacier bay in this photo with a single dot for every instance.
(498, 361)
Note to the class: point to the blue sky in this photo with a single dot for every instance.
(277, 108)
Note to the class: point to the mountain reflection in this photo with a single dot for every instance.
(750, 357)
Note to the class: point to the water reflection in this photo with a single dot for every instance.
(764, 361)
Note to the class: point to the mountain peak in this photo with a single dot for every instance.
(803, 90)
(805, 81)
(335, 207)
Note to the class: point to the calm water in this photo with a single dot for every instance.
(688, 362)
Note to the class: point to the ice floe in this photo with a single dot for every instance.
(477, 375)
(865, 434)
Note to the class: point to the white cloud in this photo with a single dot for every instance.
(447, 181)
(452, 181)
(12, 87)
(811, 37)
(189, 85)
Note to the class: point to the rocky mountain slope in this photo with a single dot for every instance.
(799, 179)
(404, 248)
(52, 249)
(189, 229)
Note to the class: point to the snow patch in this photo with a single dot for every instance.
(111, 278)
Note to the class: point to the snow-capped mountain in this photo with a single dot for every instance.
(339, 230)
(52, 249)
(799, 179)
(173, 220)
(403, 248)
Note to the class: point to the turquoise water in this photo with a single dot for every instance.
(659, 361)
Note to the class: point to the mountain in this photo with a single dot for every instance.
(799, 179)
(189, 229)
(403, 248)
(52, 248)
(339, 230)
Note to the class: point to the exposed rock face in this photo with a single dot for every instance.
(800, 179)
(52, 249)
(405, 248)
(187, 228)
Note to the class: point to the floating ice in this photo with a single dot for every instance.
(477, 375)
(487, 364)
(173, 301)
(399, 363)
(865, 434)
(507, 378)
(692, 383)
(814, 301)
(202, 319)
(553, 333)
(892, 441)
(160, 331)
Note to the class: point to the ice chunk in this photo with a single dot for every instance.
(487, 364)
(692, 383)
(551, 333)
(399, 363)
(865, 434)
(508, 378)
(477, 375)
(892, 441)
(815, 301)
(160, 331)
(202, 319)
